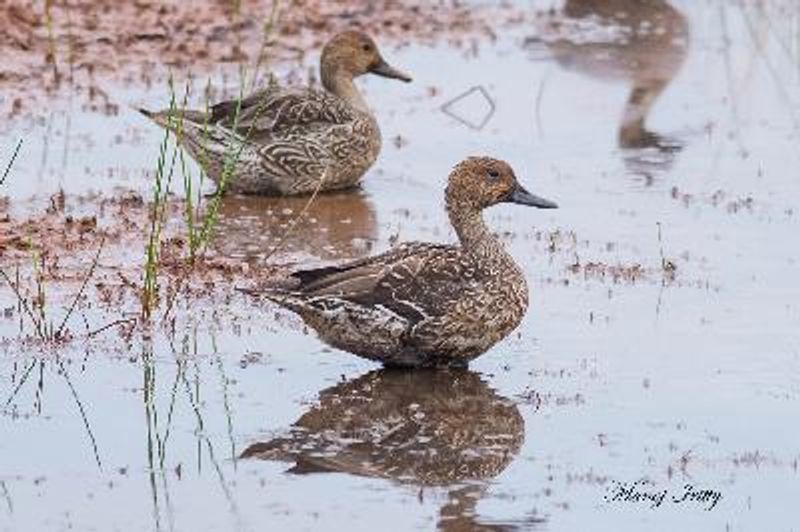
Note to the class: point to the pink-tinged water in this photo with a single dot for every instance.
(693, 380)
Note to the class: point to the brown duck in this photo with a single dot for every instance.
(423, 304)
(285, 141)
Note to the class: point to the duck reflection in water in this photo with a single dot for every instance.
(337, 226)
(436, 428)
(643, 42)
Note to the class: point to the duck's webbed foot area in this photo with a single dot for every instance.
(425, 360)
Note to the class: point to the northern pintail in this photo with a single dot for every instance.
(423, 304)
(287, 141)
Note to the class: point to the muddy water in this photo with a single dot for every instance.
(667, 137)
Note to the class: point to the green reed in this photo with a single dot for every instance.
(200, 214)
(165, 169)
(233, 150)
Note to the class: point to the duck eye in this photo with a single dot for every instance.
(492, 173)
(366, 47)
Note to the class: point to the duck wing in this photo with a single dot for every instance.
(416, 281)
(276, 111)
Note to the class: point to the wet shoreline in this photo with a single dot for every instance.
(661, 342)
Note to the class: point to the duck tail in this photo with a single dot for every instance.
(176, 120)
(269, 450)
(269, 292)
(165, 119)
(282, 296)
(276, 292)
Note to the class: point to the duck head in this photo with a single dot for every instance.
(480, 182)
(351, 54)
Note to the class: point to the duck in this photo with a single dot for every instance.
(284, 141)
(423, 304)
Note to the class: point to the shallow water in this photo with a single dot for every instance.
(618, 374)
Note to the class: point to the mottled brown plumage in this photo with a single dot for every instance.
(438, 428)
(423, 304)
(432, 428)
(286, 140)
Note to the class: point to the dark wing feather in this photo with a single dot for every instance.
(364, 273)
(416, 281)
(273, 110)
(443, 278)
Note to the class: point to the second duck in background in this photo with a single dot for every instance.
(292, 138)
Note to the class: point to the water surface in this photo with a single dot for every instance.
(668, 135)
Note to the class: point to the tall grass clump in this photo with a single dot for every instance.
(200, 217)
(200, 214)
(165, 167)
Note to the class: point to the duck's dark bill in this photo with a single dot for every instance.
(388, 71)
(523, 197)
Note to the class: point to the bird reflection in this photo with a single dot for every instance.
(644, 42)
(444, 428)
(339, 225)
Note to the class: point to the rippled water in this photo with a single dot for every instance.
(668, 136)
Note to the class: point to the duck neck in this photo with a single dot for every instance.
(473, 234)
(341, 84)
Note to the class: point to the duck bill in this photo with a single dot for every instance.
(523, 197)
(382, 68)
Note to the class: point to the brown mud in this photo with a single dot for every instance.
(88, 47)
